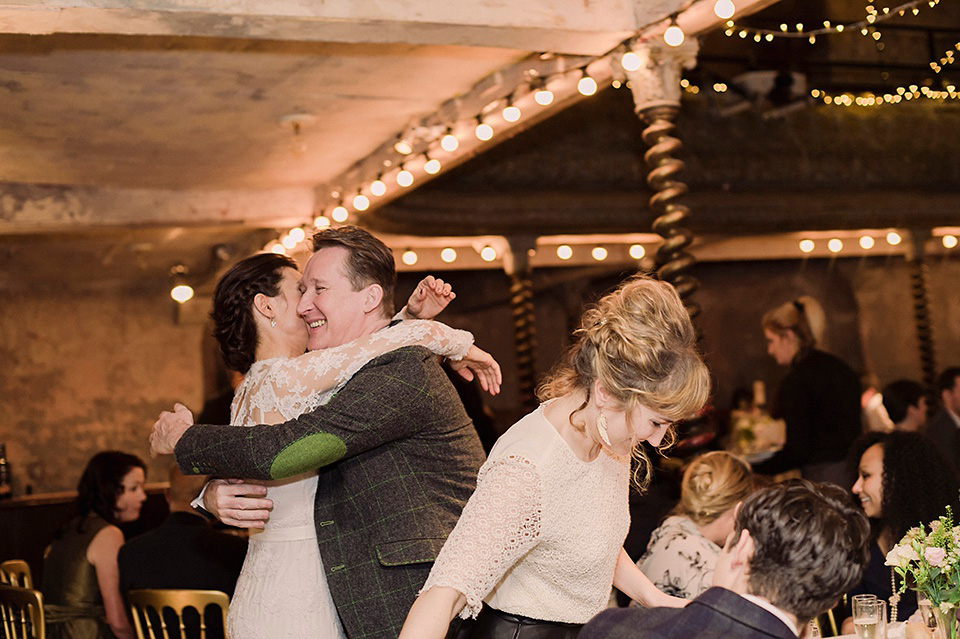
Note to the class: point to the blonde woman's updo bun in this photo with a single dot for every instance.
(712, 484)
(639, 343)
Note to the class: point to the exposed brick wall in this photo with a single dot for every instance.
(84, 373)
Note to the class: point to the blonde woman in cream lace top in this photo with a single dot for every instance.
(539, 544)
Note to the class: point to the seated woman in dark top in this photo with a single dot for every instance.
(903, 481)
(81, 578)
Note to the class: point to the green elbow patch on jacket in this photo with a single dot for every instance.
(313, 451)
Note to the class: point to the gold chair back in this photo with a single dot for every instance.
(156, 627)
(21, 610)
(16, 572)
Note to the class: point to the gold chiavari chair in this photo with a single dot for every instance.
(16, 572)
(147, 609)
(21, 610)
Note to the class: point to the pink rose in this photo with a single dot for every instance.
(934, 556)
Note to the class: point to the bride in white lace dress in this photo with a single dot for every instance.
(282, 590)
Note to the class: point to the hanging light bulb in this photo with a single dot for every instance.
(449, 142)
(637, 251)
(297, 234)
(403, 146)
(182, 293)
(431, 166)
(587, 85)
(404, 178)
(724, 9)
(448, 255)
(409, 257)
(340, 213)
(807, 246)
(630, 61)
(483, 131)
(511, 113)
(361, 202)
(321, 222)
(835, 245)
(378, 188)
(949, 241)
(564, 252)
(894, 238)
(867, 242)
(674, 34)
(543, 96)
(599, 253)
(488, 254)
(288, 242)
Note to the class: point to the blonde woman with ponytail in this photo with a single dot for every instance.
(540, 542)
(683, 550)
(819, 399)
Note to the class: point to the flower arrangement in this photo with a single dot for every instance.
(930, 563)
(756, 432)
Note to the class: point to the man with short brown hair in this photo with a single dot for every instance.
(795, 549)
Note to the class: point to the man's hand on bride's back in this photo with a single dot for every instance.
(237, 503)
(169, 428)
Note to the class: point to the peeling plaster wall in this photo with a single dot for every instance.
(84, 373)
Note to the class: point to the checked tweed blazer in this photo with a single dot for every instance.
(399, 459)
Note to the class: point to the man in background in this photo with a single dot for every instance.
(942, 429)
(796, 548)
(184, 552)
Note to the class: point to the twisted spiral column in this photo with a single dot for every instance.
(919, 274)
(518, 268)
(656, 95)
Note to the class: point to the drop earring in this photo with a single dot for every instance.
(273, 322)
(602, 428)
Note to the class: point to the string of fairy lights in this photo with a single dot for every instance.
(410, 157)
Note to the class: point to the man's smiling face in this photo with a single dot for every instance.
(333, 311)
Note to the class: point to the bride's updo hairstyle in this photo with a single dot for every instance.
(639, 343)
(233, 323)
(713, 484)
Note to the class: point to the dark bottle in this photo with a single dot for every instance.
(6, 486)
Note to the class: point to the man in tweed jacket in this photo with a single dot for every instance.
(398, 454)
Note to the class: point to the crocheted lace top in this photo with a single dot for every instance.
(541, 535)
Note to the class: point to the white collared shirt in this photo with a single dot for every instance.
(773, 610)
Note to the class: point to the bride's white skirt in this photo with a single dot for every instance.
(282, 592)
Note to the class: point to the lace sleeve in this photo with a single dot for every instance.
(499, 524)
(305, 376)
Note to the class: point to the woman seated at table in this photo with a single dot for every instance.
(81, 578)
(903, 481)
(683, 550)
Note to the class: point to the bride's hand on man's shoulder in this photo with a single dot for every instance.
(169, 428)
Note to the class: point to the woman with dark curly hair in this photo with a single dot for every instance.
(903, 481)
(81, 579)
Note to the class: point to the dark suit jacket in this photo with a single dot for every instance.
(400, 459)
(183, 552)
(716, 614)
(819, 399)
(942, 431)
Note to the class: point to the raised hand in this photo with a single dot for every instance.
(169, 428)
(429, 298)
(480, 364)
